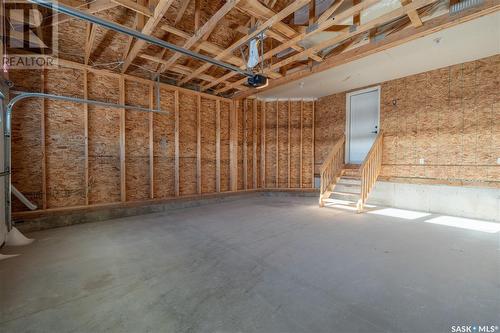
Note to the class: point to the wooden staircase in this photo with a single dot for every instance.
(349, 184)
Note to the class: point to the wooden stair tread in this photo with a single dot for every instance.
(345, 193)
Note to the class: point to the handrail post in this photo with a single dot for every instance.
(370, 170)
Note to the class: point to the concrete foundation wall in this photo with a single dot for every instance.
(472, 202)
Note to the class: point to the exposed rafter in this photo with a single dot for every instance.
(270, 22)
(149, 27)
(403, 36)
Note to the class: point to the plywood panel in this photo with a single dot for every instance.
(249, 143)
(241, 133)
(208, 136)
(104, 141)
(446, 118)
(271, 136)
(187, 143)
(329, 124)
(258, 141)
(27, 139)
(163, 146)
(137, 142)
(295, 116)
(307, 144)
(283, 144)
(224, 147)
(65, 140)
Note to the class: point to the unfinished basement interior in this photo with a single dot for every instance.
(250, 166)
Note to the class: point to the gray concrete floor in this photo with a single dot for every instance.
(263, 264)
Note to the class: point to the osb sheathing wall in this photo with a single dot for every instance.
(128, 155)
(72, 155)
(284, 151)
(448, 117)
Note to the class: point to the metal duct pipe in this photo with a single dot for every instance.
(130, 32)
(6, 163)
(7, 135)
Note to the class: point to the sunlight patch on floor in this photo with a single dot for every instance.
(463, 223)
(400, 213)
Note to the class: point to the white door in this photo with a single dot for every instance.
(363, 121)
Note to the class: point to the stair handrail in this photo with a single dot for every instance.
(370, 169)
(332, 167)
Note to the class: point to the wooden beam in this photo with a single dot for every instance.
(403, 36)
(254, 158)
(197, 14)
(123, 173)
(263, 144)
(413, 15)
(206, 46)
(176, 143)
(89, 43)
(62, 63)
(151, 142)
(184, 70)
(277, 144)
(289, 168)
(313, 142)
(301, 139)
(233, 147)
(149, 27)
(245, 144)
(217, 146)
(208, 26)
(292, 43)
(43, 143)
(198, 144)
(360, 29)
(93, 8)
(228, 51)
(134, 6)
(327, 14)
(86, 136)
(180, 14)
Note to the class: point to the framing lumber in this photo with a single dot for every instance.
(277, 183)
(217, 146)
(93, 8)
(43, 144)
(86, 136)
(254, 159)
(403, 36)
(270, 22)
(245, 144)
(180, 14)
(301, 139)
(149, 27)
(413, 15)
(289, 148)
(176, 143)
(151, 143)
(233, 147)
(123, 172)
(263, 144)
(208, 26)
(134, 6)
(198, 144)
(89, 43)
(313, 140)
